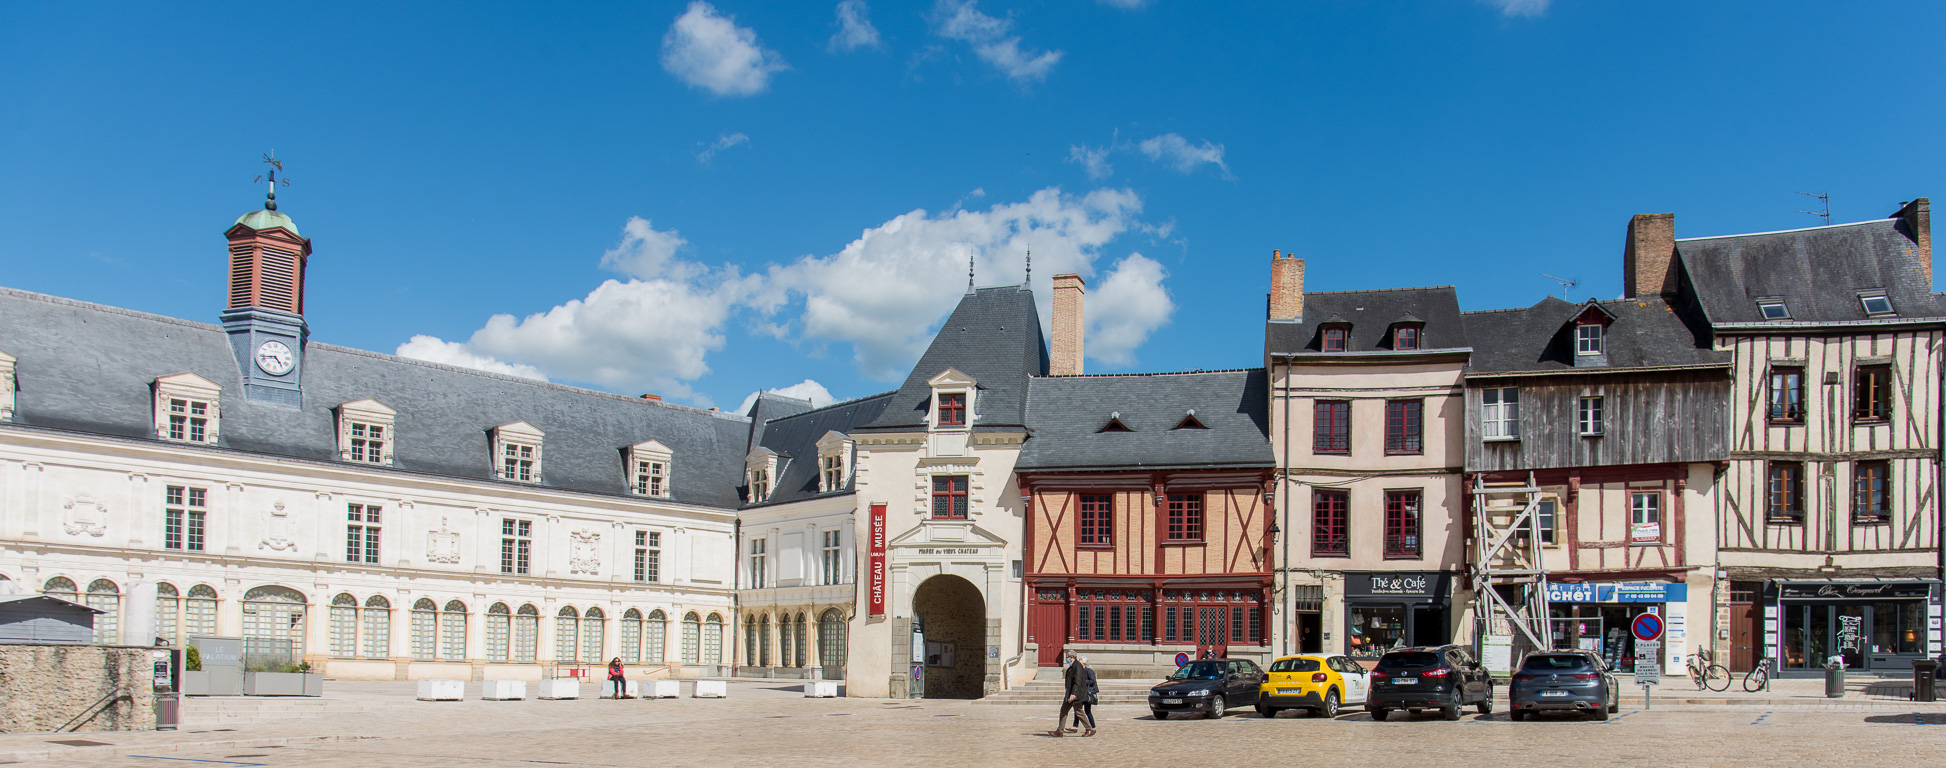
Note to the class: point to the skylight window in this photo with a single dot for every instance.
(1774, 309)
(1876, 304)
(1115, 424)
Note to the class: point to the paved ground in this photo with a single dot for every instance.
(377, 725)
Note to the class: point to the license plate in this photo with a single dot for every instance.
(1288, 691)
(1172, 701)
(1405, 681)
(1554, 693)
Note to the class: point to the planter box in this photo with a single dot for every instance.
(225, 682)
(560, 688)
(283, 684)
(503, 690)
(664, 689)
(442, 690)
(820, 689)
(712, 689)
(630, 689)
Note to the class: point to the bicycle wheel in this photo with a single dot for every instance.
(1716, 678)
(1756, 680)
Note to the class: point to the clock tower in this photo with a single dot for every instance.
(265, 316)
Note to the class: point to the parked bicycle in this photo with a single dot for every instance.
(1758, 679)
(1706, 673)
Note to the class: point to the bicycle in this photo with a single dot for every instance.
(1708, 675)
(1759, 678)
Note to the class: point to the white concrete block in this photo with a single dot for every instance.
(820, 689)
(503, 690)
(560, 688)
(712, 689)
(665, 689)
(442, 690)
(631, 689)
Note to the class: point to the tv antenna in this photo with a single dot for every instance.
(1823, 197)
(1565, 283)
(270, 198)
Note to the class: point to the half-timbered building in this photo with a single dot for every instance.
(1148, 527)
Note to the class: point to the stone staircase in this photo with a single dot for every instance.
(202, 713)
(1043, 692)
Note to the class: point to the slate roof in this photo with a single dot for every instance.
(1066, 414)
(795, 439)
(1371, 315)
(994, 336)
(1645, 333)
(88, 368)
(1817, 271)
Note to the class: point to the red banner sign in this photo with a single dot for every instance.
(876, 599)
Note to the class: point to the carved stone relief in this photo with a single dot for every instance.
(84, 516)
(442, 546)
(584, 552)
(277, 530)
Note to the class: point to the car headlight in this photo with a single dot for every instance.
(1201, 692)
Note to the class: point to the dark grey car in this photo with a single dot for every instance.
(1209, 687)
(1563, 681)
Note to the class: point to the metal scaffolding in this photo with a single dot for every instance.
(1507, 553)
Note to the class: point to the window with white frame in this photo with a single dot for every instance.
(185, 514)
(1588, 339)
(1547, 511)
(516, 546)
(834, 460)
(648, 556)
(517, 451)
(1500, 413)
(361, 533)
(833, 473)
(186, 408)
(1590, 418)
(833, 557)
(1876, 304)
(365, 432)
(759, 485)
(953, 396)
(649, 464)
(760, 470)
(757, 563)
(1645, 517)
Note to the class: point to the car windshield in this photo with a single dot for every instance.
(1555, 662)
(1294, 665)
(1410, 659)
(1201, 670)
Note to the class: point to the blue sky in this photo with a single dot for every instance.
(702, 200)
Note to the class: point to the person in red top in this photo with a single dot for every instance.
(615, 676)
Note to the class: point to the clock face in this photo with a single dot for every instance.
(275, 358)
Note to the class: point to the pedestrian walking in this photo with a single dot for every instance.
(616, 678)
(1090, 693)
(1070, 690)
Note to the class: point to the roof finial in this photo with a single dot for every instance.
(270, 198)
(1028, 284)
(969, 274)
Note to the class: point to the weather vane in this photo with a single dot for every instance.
(270, 198)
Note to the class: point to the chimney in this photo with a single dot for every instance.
(1649, 258)
(1068, 291)
(1917, 218)
(652, 398)
(1286, 287)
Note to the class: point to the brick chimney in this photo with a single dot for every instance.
(1286, 286)
(1649, 258)
(1066, 353)
(1916, 217)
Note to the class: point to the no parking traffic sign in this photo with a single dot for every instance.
(1181, 659)
(1647, 628)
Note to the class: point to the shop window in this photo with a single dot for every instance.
(1114, 616)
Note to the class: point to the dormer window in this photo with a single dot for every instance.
(1115, 424)
(759, 485)
(1336, 337)
(760, 470)
(365, 432)
(186, 408)
(1876, 304)
(952, 409)
(1773, 309)
(6, 387)
(954, 401)
(1405, 337)
(834, 461)
(1189, 421)
(1588, 339)
(517, 452)
(649, 464)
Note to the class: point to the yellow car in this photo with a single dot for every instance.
(1317, 682)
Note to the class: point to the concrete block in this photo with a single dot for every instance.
(664, 689)
(712, 689)
(631, 689)
(820, 689)
(442, 690)
(503, 690)
(560, 688)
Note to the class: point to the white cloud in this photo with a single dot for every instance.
(645, 253)
(1127, 306)
(708, 50)
(1520, 7)
(959, 20)
(433, 350)
(855, 28)
(1094, 159)
(722, 142)
(803, 390)
(1178, 153)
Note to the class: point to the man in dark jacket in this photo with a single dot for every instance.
(1070, 690)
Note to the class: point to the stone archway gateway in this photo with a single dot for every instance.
(954, 615)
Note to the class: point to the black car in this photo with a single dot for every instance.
(1209, 686)
(1563, 681)
(1442, 677)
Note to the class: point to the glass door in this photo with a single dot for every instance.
(1848, 627)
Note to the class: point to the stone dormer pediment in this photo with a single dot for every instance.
(651, 448)
(188, 383)
(951, 378)
(947, 533)
(368, 407)
(832, 441)
(518, 430)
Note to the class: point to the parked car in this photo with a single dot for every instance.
(1209, 686)
(1563, 681)
(1442, 677)
(1314, 682)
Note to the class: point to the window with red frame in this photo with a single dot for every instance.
(1113, 616)
(1401, 524)
(1329, 517)
(1185, 517)
(1332, 431)
(949, 497)
(1242, 611)
(1405, 337)
(1097, 520)
(952, 409)
(1403, 422)
(1335, 337)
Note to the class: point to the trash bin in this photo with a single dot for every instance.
(1925, 680)
(168, 711)
(1834, 677)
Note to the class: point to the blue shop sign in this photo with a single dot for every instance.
(1626, 592)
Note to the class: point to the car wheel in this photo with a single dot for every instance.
(1378, 715)
(1449, 713)
(1601, 713)
(1159, 714)
(1615, 703)
(1486, 705)
(1516, 716)
(1266, 710)
(1330, 708)
(1217, 707)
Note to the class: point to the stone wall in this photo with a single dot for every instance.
(42, 687)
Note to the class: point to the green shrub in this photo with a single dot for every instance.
(192, 660)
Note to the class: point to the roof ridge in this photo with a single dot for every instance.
(1787, 231)
(1382, 290)
(839, 404)
(136, 313)
(1197, 372)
